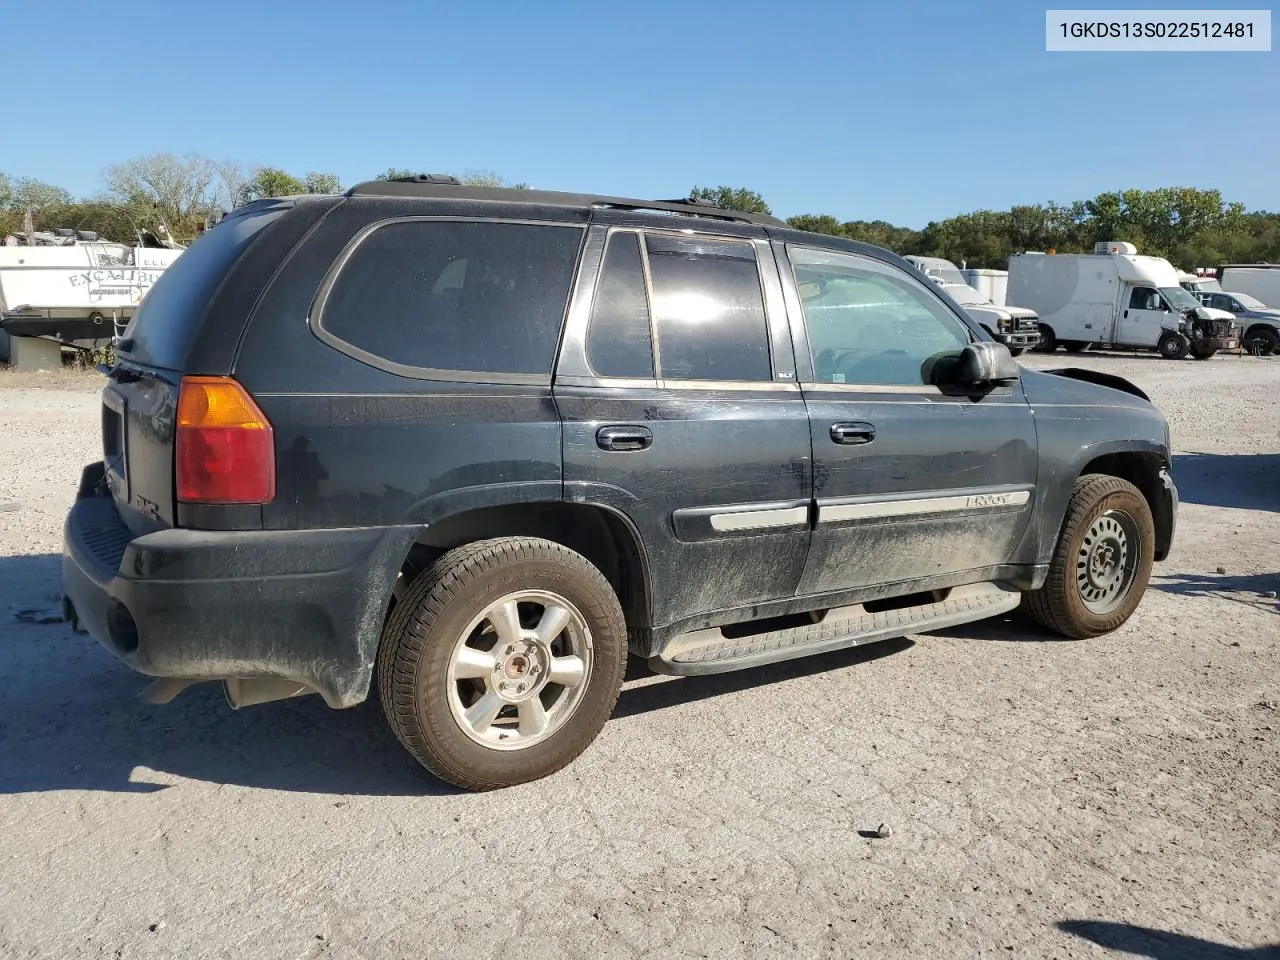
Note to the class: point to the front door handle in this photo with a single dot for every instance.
(620, 439)
(851, 433)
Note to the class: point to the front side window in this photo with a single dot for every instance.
(467, 296)
(708, 309)
(1144, 298)
(870, 323)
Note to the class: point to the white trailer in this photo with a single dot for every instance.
(992, 284)
(1115, 298)
(1259, 280)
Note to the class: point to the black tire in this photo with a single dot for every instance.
(1017, 351)
(1061, 605)
(1048, 340)
(1173, 346)
(422, 635)
(1202, 351)
(1262, 341)
(1074, 346)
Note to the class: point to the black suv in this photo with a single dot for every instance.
(485, 441)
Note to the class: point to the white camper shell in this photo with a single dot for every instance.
(1016, 327)
(1115, 298)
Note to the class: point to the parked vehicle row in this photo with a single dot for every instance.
(1114, 297)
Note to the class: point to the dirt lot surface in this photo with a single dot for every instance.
(1111, 797)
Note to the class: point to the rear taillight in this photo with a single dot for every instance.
(225, 446)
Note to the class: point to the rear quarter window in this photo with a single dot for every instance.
(168, 318)
(440, 297)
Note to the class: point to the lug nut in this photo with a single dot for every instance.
(520, 688)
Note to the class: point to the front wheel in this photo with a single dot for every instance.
(1048, 340)
(1017, 351)
(1173, 346)
(1202, 351)
(1102, 562)
(502, 662)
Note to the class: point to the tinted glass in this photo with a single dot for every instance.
(466, 296)
(619, 341)
(870, 323)
(1139, 299)
(165, 324)
(708, 310)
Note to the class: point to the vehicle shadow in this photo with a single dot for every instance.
(676, 691)
(1245, 481)
(1011, 627)
(71, 717)
(1250, 589)
(1160, 945)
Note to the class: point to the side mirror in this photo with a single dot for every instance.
(984, 363)
(1153, 302)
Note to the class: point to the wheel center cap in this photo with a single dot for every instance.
(516, 666)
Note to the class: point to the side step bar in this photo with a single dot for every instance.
(710, 651)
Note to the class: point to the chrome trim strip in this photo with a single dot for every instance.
(759, 519)
(880, 509)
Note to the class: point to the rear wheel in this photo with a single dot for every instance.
(1173, 346)
(1048, 341)
(502, 662)
(1102, 562)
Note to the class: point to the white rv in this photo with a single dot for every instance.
(1016, 327)
(1115, 298)
(72, 288)
(1259, 280)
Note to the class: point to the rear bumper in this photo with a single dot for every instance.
(303, 606)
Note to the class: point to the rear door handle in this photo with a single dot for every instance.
(620, 439)
(851, 433)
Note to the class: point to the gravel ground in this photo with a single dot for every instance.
(1047, 799)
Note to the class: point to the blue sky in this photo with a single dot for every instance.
(902, 111)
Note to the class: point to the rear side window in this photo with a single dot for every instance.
(618, 338)
(167, 318)
(708, 309)
(464, 296)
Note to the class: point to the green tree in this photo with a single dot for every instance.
(272, 182)
(732, 198)
(315, 182)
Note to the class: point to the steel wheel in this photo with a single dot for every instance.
(519, 670)
(1107, 561)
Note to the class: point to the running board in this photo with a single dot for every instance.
(710, 651)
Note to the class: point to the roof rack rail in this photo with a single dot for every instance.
(690, 206)
(443, 186)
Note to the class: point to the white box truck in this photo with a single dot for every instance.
(1115, 298)
(1259, 280)
(992, 284)
(1016, 327)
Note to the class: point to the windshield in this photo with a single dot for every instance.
(1179, 299)
(1250, 303)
